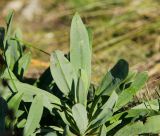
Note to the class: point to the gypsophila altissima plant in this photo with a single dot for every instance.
(63, 102)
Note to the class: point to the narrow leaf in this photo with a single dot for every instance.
(29, 91)
(111, 101)
(80, 116)
(113, 78)
(128, 93)
(22, 123)
(80, 52)
(67, 132)
(82, 90)
(62, 72)
(12, 53)
(100, 117)
(23, 63)
(102, 131)
(14, 102)
(51, 134)
(151, 125)
(9, 25)
(34, 115)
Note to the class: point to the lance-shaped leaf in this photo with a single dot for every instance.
(132, 113)
(14, 102)
(23, 63)
(7, 74)
(34, 115)
(51, 134)
(9, 19)
(62, 72)
(127, 94)
(100, 117)
(12, 53)
(111, 81)
(21, 123)
(152, 104)
(29, 91)
(113, 125)
(67, 132)
(80, 52)
(80, 116)
(82, 90)
(102, 131)
(111, 101)
(150, 125)
(113, 78)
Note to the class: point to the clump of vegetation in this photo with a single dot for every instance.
(63, 101)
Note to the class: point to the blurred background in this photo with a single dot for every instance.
(128, 29)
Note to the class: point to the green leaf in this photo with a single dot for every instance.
(9, 17)
(127, 94)
(67, 132)
(151, 125)
(80, 52)
(102, 131)
(18, 35)
(130, 130)
(22, 123)
(34, 115)
(62, 72)
(51, 134)
(112, 126)
(12, 53)
(132, 113)
(82, 90)
(9, 25)
(111, 101)
(14, 102)
(131, 76)
(23, 63)
(80, 116)
(113, 78)
(110, 82)
(58, 129)
(152, 104)
(100, 117)
(64, 118)
(20, 113)
(68, 120)
(29, 91)
(8, 74)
